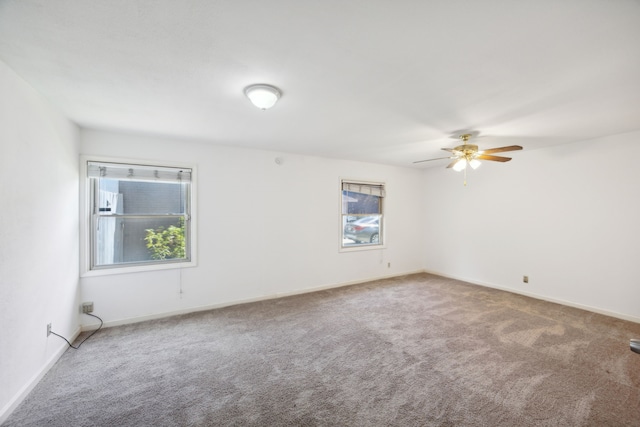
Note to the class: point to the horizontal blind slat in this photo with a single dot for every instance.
(138, 172)
(374, 190)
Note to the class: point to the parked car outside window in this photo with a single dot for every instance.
(363, 230)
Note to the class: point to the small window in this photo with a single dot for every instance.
(139, 215)
(362, 214)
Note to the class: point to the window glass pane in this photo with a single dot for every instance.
(362, 230)
(139, 214)
(361, 214)
(137, 197)
(359, 203)
(133, 240)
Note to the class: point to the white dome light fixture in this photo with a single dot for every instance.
(262, 96)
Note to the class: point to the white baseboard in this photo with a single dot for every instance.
(541, 297)
(355, 282)
(130, 320)
(26, 389)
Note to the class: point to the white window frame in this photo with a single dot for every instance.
(86, 213)
(383, 228)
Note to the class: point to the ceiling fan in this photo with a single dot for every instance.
(468, 154)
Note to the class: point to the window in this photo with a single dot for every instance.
(362, 218)
(139, 215)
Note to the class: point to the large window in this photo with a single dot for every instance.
(362, 218)
(139, 215)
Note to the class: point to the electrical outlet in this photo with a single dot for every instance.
(87, 307)
(525, 279)
(48, 329)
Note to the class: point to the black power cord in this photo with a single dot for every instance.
(92, 333)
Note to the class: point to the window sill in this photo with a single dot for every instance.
(359, 248)
(137, 269)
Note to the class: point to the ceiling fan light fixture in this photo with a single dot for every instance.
(460, 165)
(475, 163)
(262, 96)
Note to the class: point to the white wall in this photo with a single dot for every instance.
(263, 229)
(566, 216)
(39, 235)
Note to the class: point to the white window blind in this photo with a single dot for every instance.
(138, 172)
(370, 189)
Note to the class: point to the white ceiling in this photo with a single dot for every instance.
(373, 80)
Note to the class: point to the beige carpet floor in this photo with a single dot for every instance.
(419, 350)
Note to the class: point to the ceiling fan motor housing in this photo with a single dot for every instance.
(466, 150)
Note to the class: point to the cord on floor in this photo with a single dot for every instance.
(90, 335)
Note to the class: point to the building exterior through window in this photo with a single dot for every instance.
(362, 214)
(140, 214)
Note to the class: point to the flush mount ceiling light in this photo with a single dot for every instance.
(262, 96)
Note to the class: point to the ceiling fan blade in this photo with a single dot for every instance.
(448, 149)
(492, 158)
(429, 160)
(452, 164)
(502, 149)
